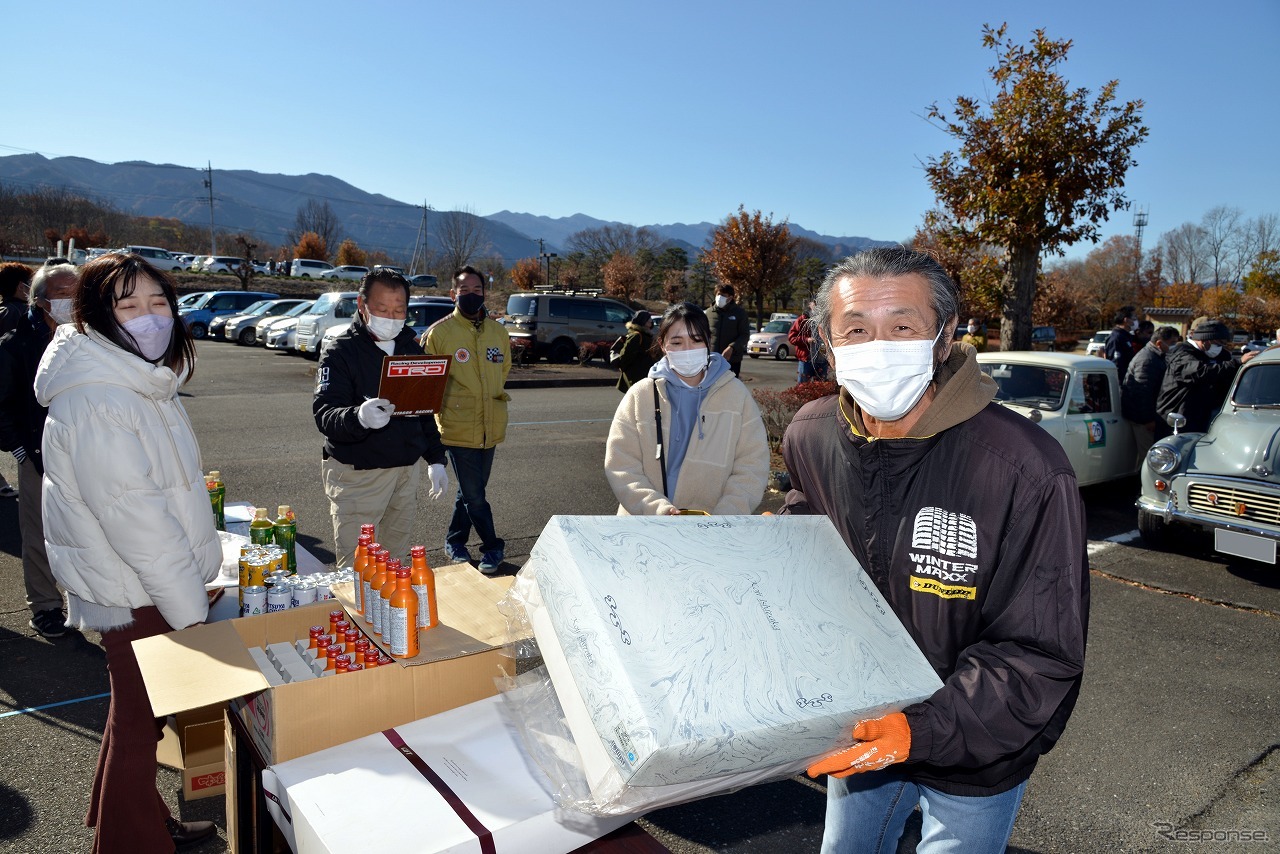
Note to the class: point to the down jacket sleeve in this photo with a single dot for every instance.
(1016, 685)
(134, 512)
(631, 442)
(750, 476)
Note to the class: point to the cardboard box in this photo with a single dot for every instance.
(374, 794)
(193, 745)
(694, 648)
(210, 664)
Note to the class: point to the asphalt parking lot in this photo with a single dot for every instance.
(1176, 732)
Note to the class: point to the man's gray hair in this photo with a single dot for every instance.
(891, 262)
(40, 281)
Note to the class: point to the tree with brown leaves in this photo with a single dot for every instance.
(526, 274)
(351, 253)
(755, 255)
(622, 277)
(311, 246)
(1039, 166)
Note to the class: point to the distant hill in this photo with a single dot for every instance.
(266, 204)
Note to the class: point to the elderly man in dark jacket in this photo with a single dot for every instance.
(1197, 374)
(967, 518)
(1141, 386)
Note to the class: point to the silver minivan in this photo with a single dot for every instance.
(306, 268)
(333, 307)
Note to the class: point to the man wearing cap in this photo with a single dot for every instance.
(634, 359)
(1197, 374)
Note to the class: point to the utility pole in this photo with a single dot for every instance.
(420, 242)
(1139, 225)
(208, 182)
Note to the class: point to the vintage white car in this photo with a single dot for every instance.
(1076, 399)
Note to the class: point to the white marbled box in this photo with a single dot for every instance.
(706, 646)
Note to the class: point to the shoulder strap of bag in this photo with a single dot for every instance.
(657, 421)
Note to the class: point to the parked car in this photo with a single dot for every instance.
(1098, 344)
(423, 280)
(282, 334)
(770, 341)
(1227, 480)
(266, 325)
(554, 324)
(161, 259)
(423, 312)
(1257, 345)
(330, 308)
(201, 313)
(350, 272)
(190, 299)
(243, 328)
(1076, 400)
(783, 315)
(1044, 338)
(220, 264)
(305, 268)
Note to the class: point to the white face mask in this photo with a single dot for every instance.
(722, 301)
(60, 310)
(972, 329)
(688, 363)
(384, 328)
(886, 378)
(1213, 350)
(152, 333)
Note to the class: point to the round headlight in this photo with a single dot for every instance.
(1163, 459)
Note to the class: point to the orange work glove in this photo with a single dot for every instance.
(881, 742)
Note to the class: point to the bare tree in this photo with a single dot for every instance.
(1183, 253)
(462, 236)
(607, 240)
(317, 217)
(1221, 226)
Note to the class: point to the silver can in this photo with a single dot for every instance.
(323, 593)
(254, 601)
(278, 598)
(304, 593)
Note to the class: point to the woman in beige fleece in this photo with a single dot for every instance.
(713, 454)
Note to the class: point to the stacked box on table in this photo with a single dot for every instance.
(436, 785)
(692, 648)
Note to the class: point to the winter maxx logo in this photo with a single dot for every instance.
(944, 553)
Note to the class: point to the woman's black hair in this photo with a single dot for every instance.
(94, 306)
(696, 319)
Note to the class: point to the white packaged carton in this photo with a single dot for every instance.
(700, 647)
(372, 794)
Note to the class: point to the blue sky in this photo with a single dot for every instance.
(652, 112)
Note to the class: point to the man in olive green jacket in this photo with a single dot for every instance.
(473, 418)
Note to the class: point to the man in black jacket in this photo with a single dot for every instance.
(1141, 385)
(22, 431)
(1197, 375)
(370, 465)
(730, 328)
(967, 518)
(1120, 347)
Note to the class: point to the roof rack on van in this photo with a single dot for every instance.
(573, 292)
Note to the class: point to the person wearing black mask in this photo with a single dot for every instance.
(473, 419)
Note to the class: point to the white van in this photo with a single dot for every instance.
(161, 259)
(305, 268)
(330, 308)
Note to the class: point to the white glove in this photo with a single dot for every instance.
(375, 413)
(439, 479)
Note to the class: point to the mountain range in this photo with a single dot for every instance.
(266, 205)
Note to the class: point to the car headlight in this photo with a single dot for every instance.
(1163, 459)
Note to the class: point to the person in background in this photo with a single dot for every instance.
(370, 460)
(473, 420)
(22, 433)
(1197, 375)
(974, 336)
(1142, 335)
(15, 279)
(730, 328)
(968, 519)
(1141, 386)
(800, 336)
(713, 454)
(1121, 347)
(127, 523)
(634, 359)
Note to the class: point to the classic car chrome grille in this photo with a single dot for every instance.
(1235, 502)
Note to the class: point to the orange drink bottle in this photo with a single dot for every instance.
(331, 657)
(366, 580)
(334, 617)
(402, 614)
(354, 667)
(423, 581)
(357, 564)
(384, 594)
(371, 659)
(315, 632)
(373, 609)
(367, 528)
(322, 647)
(349, 638)
(362, 646)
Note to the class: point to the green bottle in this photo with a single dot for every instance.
(217, 497)
(261, 529)
(286, 534)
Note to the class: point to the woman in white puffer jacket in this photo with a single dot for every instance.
(128, 525)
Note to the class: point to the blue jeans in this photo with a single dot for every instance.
(804, 371)
(471, 467)
(866, 813)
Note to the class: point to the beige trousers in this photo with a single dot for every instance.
(387, 498)
(42, 590)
